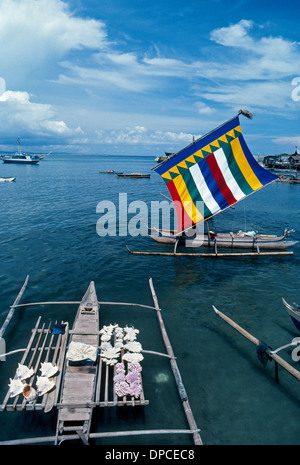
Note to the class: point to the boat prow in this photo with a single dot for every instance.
(294, 313)
(89, 301)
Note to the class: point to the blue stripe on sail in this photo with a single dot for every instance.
(212, 185)
(197, 145)
(264, 176)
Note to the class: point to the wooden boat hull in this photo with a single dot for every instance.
(227, 240)
(19, 161)
(294, 313)
(79, 380)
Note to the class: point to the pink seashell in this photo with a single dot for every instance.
(132, 377)
(119, 378)
(122, 388)
(135, 389)
(134, 366)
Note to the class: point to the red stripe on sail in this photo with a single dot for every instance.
(218, 177)
(183, 219)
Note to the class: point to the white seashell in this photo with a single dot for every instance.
(15, 387)
(24, 372)
(110, 361)
(105, 345)
(119, 333)
(44, 385)
(118, 344)
(130, 334)
(48, 369)
(110, 353)
(133, 357)
(133, 346)
(108, 329)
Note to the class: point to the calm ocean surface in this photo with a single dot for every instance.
(48, 230)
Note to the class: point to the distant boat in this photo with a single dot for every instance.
(23, 158)
(290, 179)
(7, 179)
(110, 172)
(160, 159)
(133, 175)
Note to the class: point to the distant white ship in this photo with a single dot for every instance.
(23, 158)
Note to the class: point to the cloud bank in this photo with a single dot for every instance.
(56, 64)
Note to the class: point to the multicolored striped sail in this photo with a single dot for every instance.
(211, 174)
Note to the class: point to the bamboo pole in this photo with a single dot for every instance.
(12, 308)
(209, 255)
(180, 386)
(95, 436)
(255, 341)
(77, 303)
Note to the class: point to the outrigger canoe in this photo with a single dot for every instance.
(79, 377)
(229, 240)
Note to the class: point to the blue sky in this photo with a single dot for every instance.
(139, 77)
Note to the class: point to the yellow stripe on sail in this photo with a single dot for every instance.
(244, 165)
(187, 200)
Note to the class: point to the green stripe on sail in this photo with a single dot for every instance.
(235, 169)
(193, 190)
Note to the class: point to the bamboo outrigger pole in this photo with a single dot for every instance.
(209, 255)
(255, 341)
(180, 386)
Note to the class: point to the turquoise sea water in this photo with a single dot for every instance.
(48, 223)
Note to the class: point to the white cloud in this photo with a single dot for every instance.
(285, 141)
(272, 95)
(139, 135)
(19, 114)
(242, 67)
(204, 109)
(33, 32)
(247, 69)
(235, 35)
